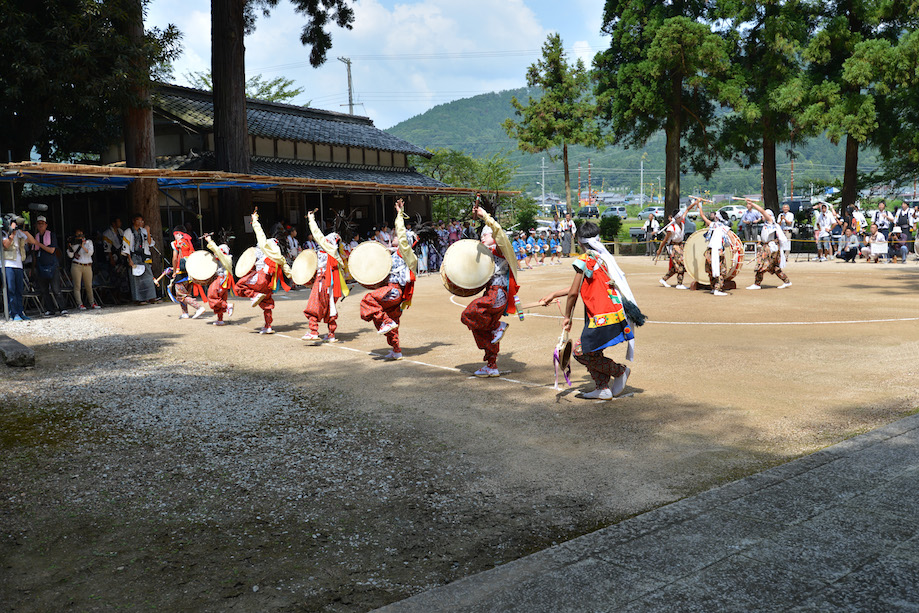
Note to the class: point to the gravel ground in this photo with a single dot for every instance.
(153, 463)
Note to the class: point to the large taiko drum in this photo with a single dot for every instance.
(245, 263)
(467, 268)
(370, 264)
(694, 256)
(201, 266)
(304, 267)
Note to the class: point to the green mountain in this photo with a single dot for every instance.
(473, 125)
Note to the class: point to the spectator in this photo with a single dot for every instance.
(309, 244)
(386, 235)
(837, 233)
(903, 220)
(14, 249)
(47, 269)
(568, 228)
(651, 228)
(882, 218)
(876, 237)
(749, 219)
(136, 249)
(80, 250)
(116, 268)
(293, 247)
(848, 250)
(860, 218)
(822, 226)
(898, 245)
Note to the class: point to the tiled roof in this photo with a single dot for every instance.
(342, 172)
(195, 109)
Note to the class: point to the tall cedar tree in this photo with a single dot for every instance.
(563, 115)
(837, 92)
(230, 21)
(771, 35)
(666, 70)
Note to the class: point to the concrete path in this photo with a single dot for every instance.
(834, 531)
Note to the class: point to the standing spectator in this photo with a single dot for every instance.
(837, 232)
(651, 228)
(568, 228)
(452, 232)
(80, 250)
(293, 247)
(750, 218)
(882, 219)
(135, 247)
(48, 269)
(14, 249)
(903, 220)
(116, 269)
(309, 244)
(848, 250)
(386, 235)
(822, 227)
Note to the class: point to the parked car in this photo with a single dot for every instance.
(616, 210)
(734, 211)
(586, 212)
(657, 211)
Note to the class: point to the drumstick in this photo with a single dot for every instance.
(533, 305)
(160, 278)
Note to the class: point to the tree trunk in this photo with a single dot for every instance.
(770, 178)
(231, 130)
(673, 130)
(850, 176)
(139, 144)
(567, 178)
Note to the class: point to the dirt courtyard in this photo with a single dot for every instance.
(149, 462)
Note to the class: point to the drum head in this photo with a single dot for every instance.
(370, 264)
(694, 256)
(138, 270)
(468, 264)
(304, 268)
(201, 266)
(246, 262)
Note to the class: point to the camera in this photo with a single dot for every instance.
(9, 219)
(75, 241)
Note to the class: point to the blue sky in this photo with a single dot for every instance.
(406, 56)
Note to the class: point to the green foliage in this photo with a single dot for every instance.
(525, 216)
(279, 89)
(609, 227)
(68, 69)
(563, 115)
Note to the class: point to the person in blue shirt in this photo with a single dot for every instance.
(543, 247)
(554, 249)
(532, 248)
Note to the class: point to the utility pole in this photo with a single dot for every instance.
(543, 184)
(588, 181)
(641, 182)
(347, 62)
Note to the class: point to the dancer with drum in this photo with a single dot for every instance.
(717, 236)
(610, 314)
(260, 283)
(383, 306)
(328, 287)
(219, 289)
(483, 315)
(673, 242)
(770, 254)
(183, 286)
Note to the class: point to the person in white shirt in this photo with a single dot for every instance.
(651, 227)
(135, 246)
(14, 243)
(822, 227)
(879, 240)
(883, 219)
(81, 270)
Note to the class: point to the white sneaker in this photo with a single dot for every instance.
(198, 313)
(681, 286)
(330, 338)
(784, 285)
(220, 322)
(718, 293)
(309, 336)
(392, 355)
(498, 334)
(230, 309)
(487, 371)
(754, 286)
(257, 299)
(183, 316)
(619, 382)
(663, 283)
(598, 394)
(388, 327)
(266, 330)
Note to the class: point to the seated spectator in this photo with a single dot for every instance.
(875, 237)
(848, 249)
(80, 250)
(898, 245)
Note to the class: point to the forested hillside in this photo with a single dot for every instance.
(473, 125)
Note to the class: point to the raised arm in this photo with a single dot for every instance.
(320, 239)
(405, 250)
(220, 255)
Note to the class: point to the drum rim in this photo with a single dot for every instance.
(477, 286)
(373, 245)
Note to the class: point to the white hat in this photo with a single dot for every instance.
(41, 218)
(896, 230)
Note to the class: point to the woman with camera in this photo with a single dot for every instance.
(14, 240)
(80, 249)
